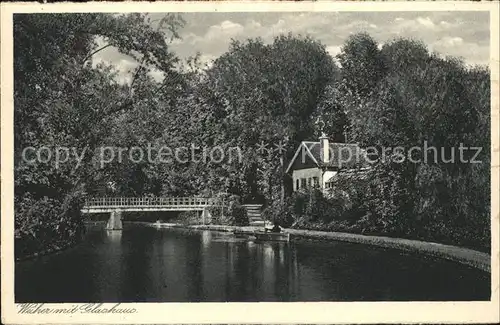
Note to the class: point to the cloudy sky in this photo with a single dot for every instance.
(460, 34)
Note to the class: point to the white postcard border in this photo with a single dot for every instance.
(317, 312)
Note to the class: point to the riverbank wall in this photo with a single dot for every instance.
(460, 255)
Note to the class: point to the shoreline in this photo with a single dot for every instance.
(461, 255)
(55, 249)
(464, 256)
(46, 252)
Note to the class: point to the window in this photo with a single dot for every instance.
(316, 181)
(297, 184)
(309, 182)
(302, 183)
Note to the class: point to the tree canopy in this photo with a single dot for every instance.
(277, 93)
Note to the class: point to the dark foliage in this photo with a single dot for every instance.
(396, 95)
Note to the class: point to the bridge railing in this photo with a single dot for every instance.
(147, 201)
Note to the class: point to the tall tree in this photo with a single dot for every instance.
(266, 94)
(62, 100)
(363, 66)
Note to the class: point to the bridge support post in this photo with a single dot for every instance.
(206, 216)
(115, 221)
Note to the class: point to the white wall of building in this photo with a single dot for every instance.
(306, 174)
(326, 177)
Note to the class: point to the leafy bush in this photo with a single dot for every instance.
(378, 202)
(219, 210)
(228, 210)
(188, 218)
(280, 212)
(239, 215)
(304, 209)
(46, 223)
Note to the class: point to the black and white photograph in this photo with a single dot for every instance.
(235, 156)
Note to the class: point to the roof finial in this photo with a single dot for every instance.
(320, 125)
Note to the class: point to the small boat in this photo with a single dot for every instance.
(272, 236)
(262, 235)
(243, 234)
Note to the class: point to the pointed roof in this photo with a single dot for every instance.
(361, 173)
(342, 155)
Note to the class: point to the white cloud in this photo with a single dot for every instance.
(426, 22)
(224, 29)
(419, 24)
(125, 68)
(157, 75)
(449, 33)
(357, 25)
(448, 41)
(206, 60)
(446, 25)
(470, 52)
(333, 50)
(254, 24)
(126, 65)
(187, 38)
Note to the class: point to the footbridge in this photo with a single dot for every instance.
(115, 206)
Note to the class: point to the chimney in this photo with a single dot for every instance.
(324, 145)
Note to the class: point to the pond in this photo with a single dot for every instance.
(146, 264)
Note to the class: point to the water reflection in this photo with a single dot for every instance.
(146, 264)
(107, 267)
(114, 236)
(206, 238)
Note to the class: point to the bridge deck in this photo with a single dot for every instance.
(110, 204)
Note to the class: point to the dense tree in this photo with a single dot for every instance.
(363, 66)
(275, 94)
(62, 101)
(267, 94)
(402, 95)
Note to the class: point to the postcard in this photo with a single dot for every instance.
(250, 162)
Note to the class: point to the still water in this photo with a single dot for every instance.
(145, 264)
